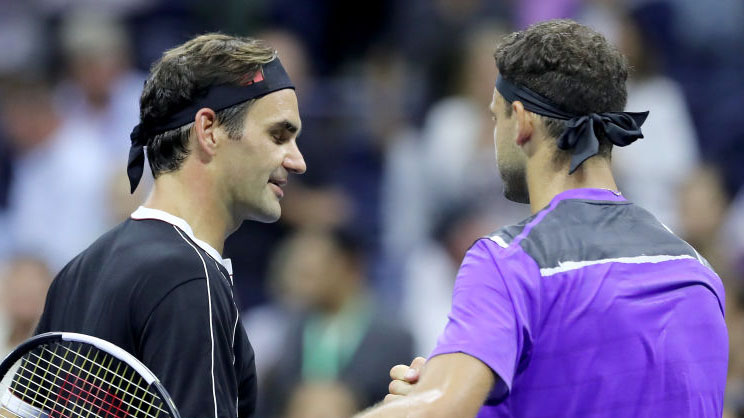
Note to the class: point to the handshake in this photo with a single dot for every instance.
(403, 378)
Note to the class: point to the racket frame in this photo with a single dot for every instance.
(103, 345)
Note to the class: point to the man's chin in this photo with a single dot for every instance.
(268, 214)
(516, 194)
(514, 179)
(268, 218)
(517, 198)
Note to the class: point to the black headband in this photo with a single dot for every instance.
(621, 128)
(270, 77)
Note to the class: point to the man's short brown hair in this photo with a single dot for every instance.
(185, 72)
(570, 64)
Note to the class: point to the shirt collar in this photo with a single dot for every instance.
(149, 213)
(590, 194)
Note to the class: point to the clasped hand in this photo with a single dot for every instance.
(404, 378)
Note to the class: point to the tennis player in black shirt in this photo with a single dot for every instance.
(219, 122)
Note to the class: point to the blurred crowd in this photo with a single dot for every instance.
(398, 140)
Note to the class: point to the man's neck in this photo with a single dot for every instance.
(194, 201)
(545, 180)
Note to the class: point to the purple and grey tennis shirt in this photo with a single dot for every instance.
(591, 308)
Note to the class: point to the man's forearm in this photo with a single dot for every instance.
(424, 404)
(452, 385)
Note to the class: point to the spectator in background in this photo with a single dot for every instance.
(321, 400)
(430, 272)
(100, 86)
(704, 204)
(56, 202)
(701, 49)
(23, 287)
(448, 163)
(430, 35)
(452, 162)
(669, 147)
(457, 147)
(340, 333)
(21, 37)
(390, 211)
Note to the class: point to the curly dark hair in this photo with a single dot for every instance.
(183, 73)
(570, 64)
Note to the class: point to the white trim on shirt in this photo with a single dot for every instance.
(565, 266)
(211, 327)
(150, 213)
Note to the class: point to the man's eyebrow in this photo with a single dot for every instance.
(284, 125)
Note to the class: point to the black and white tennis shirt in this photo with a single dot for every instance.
(154, 289)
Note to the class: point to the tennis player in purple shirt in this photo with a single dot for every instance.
(591, 307)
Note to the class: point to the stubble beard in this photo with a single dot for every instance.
(269, 210)
(514, 178)
(263, 209)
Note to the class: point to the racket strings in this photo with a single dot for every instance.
(61, 388)
(134, 396)
(106, 406)
(87, 381)
(67, 387)
(64, 408)
(139, 385)
(56, 406)
(122, 379)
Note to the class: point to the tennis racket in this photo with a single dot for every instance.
(67, 375)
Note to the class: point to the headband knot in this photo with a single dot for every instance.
(580, 134)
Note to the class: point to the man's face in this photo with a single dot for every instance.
(257, 165)
(510, 158)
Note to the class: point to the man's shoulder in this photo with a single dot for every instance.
(140, 249)
(595, 231)
(589, 231)
(506, 235)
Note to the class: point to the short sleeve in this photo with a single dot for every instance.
(183, 344)
(483, 322)
(247, 385)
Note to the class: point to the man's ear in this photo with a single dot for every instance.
(205, 124)
(525, 122)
